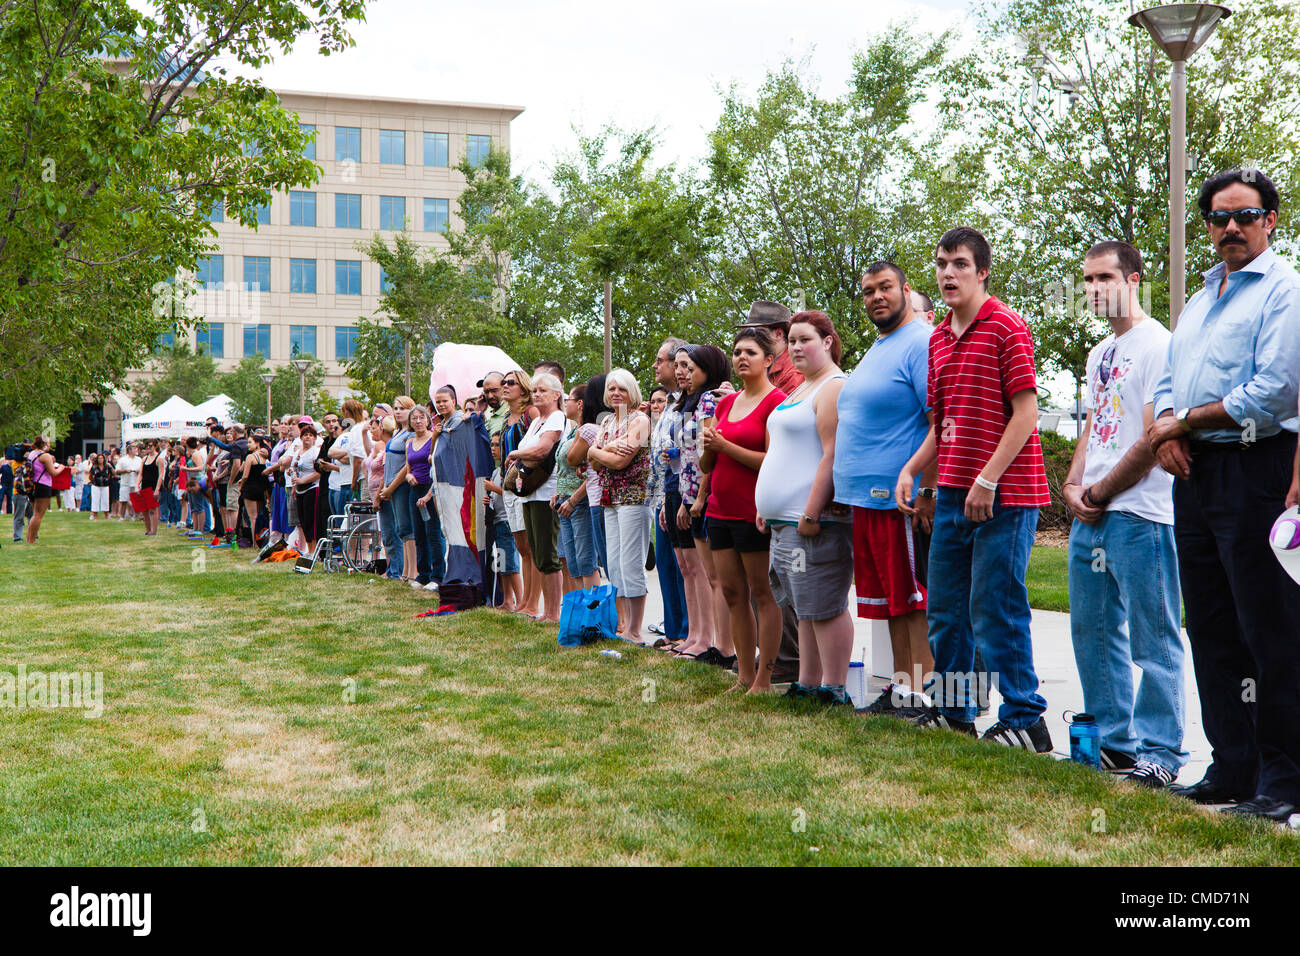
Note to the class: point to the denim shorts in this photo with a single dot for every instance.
(505, 559)
(576, 544)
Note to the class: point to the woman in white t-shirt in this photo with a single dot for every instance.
(306, 484)
(540, 523)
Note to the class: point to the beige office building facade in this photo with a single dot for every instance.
(297, 284)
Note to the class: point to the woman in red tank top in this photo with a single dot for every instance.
(735, 443)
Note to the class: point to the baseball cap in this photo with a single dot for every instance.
(479, 383)
(1285, 539)
(306, 420)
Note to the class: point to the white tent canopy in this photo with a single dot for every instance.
(174, 418)
(219, 407)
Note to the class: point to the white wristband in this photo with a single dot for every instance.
(985, 483)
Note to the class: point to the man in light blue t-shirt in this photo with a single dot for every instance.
(883, 421)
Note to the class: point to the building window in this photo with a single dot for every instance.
(263, 214)
(477, 149)
(212, 339)
(392, 212)
(347, 211)
(308, 151)
(217, 213)
(435, 149)
(384, 285)
(302, 209)
(347, 143)
(347, 277)
(435, 215)
(257, 273)
(302, 275)
(257, 340)
(302, 340)
(392, 147)
(165, 341)
(210, 271)
(345, 343)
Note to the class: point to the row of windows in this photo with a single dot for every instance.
(347, 212)
(210, 272)
(211, 338)
(392, 146)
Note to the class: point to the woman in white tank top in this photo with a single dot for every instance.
(812, 538)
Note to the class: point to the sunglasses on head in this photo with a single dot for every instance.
(1242, 217)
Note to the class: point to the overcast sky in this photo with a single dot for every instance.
(588, 62)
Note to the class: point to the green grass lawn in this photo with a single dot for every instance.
(228, 737)
(1048, 585)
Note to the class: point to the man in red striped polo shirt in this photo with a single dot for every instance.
(983, 395)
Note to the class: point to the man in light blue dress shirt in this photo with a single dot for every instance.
(1225, 428)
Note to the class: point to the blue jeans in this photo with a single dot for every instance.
(201, 512)
(85, 497)
(1124, 611)
(598, 537)
(402, 509)
(576, 545)
(339, 497)
(977, 597)
(430, 545)
(392, 542)
(676, 622)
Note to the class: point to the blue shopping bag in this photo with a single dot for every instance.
(588, 615)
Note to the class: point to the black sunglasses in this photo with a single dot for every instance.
(508, 381)
(1242, 217)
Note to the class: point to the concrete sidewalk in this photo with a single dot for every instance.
(1053, 659)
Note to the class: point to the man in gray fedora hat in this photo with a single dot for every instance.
(775, 317)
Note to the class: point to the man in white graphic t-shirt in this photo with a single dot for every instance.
(1123, 566)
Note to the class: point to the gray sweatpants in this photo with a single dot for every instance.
(21, 504)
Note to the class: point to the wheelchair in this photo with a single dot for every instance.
(352, 542)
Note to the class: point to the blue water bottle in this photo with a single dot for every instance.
(1085, 741)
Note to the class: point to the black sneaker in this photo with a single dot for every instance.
(882, 706)
(1264, 807)
(1151, 775)
(1035, 738)
(930, 718)
(1117, 761)
(826, 696)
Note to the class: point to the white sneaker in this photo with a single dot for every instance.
(432, 586)
(417, 585)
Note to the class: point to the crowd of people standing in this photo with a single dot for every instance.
(766, 483)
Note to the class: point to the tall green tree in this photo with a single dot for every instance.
(244, 387)
(609, 212)
(120, 128)
(179, 370)
(806, 190)
(1071, 105)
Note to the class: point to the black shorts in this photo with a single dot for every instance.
(43, 491)
(739, 536)
(681, 537)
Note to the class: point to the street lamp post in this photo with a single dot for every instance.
(1179, 29)
(268, 378)
(302, 365)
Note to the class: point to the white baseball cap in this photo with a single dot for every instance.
(1285, 539)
